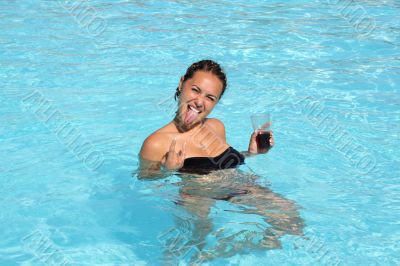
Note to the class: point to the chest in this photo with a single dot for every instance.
(205, 147)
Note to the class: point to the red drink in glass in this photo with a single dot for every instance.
(262, 123)
(262, 140)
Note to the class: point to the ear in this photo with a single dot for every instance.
(180, 84)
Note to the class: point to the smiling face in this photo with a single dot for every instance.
(198, 97)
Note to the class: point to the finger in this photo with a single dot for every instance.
(181, 162)
(184, 150)
(172, 146)
(254, 134)
(181, 154)
(164, 158)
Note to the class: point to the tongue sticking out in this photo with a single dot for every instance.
(190, 116)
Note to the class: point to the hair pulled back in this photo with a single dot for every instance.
(206, 66)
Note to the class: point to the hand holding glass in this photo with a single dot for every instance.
(262, 123)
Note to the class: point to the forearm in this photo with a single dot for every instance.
(247, 154)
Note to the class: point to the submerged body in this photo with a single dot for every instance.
(270, 215)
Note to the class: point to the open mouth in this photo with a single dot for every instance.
(191, 114)
(194, 109)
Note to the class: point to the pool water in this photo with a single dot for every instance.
(83, 83)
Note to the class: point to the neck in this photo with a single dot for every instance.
(182, 128)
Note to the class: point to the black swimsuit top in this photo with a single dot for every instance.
(230, 158)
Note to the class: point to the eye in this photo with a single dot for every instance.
(211, 98)
(195, 89)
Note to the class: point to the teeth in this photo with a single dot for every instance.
(194, 109)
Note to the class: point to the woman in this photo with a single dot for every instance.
(191, 142)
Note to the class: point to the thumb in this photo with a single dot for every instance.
(164, 158)
(254, 134)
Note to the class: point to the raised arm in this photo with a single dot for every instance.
(157, 160)
(150, 157)
(252, 149)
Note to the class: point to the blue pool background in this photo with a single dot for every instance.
(113, 86)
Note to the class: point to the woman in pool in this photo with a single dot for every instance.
(191, 142)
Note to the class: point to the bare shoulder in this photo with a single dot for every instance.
(154, 146)
(216, 123)
(217, 126)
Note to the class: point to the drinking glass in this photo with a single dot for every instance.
(262, 123)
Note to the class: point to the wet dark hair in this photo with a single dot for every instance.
(206, 66)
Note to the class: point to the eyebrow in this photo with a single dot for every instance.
(207, 94)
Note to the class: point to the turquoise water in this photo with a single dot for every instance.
(79, 93)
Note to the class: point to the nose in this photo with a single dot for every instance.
(199, 101)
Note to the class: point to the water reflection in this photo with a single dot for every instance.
(225, 213)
